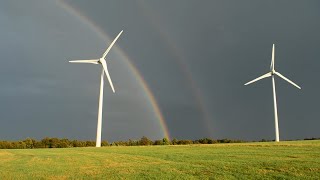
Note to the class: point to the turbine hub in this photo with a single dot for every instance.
(101, 59)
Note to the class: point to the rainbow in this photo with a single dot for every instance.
(76, 13)
(155, 21)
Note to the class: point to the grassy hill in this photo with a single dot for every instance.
(289, 160)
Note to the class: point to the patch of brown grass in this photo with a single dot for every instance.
(6, 156)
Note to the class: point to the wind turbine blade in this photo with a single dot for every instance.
(91, 61)
(105, 67)
(257, 79)
(280, 75)
(272, 59)
(107, 51)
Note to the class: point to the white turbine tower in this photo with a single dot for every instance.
(272, 73)
(101, 61)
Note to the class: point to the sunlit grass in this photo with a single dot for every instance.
(289, 160)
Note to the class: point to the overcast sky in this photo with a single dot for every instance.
(194, 55)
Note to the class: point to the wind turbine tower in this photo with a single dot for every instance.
(101, 61)
(272, 73)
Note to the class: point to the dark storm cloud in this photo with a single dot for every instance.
(219, 44)
(43, 95)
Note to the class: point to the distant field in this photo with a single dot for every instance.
(284, 160)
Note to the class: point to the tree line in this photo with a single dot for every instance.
(48, 142)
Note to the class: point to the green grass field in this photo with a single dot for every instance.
(284, 160)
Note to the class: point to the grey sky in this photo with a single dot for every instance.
(194, 55)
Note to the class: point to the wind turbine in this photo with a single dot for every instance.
(103, 62)
(272, 73)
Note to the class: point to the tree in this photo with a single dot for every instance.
(144, 141)
(174, 141)
(30, 143)
(158, 142)
(185, 142)
(165, 141)
(105, 143)
(53, 142)
(46, 142)
(62, 144)
(90, 143)
(132, 143)
(38, 144)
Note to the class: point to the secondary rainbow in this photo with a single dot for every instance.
(155, 21)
